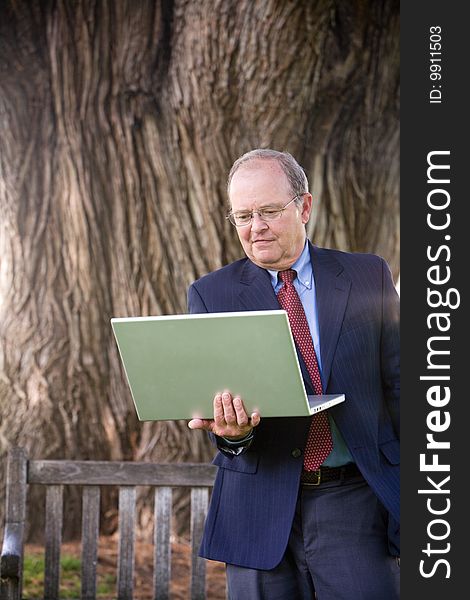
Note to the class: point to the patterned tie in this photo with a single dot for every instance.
(319, 442)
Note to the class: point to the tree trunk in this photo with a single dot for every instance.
(119, 121)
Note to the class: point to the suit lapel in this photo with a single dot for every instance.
(332, 288)
(256, 290)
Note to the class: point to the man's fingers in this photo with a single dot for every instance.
(218, 411)
(201, 424)
(229, 413)
(230, 417)
(242, 417)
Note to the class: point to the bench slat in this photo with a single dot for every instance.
(127, 495)
(88, 472)
(199, 503)
(53, 533)
(90, 533)
(162, 547)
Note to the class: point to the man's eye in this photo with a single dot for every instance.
(242, 216)
(269, 212)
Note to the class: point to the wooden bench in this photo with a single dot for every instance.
(55, 474)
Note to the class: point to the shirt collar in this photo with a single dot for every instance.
(303, 268)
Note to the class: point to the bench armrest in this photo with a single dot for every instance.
(11, 562)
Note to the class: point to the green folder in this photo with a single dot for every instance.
(176, 364)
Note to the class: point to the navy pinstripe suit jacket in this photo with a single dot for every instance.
(255, 493)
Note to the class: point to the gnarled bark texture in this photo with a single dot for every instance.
(119, 121)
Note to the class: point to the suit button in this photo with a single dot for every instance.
(296, 452)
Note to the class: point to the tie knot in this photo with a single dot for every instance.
(287, 276)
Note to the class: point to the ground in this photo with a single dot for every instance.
(107, 561)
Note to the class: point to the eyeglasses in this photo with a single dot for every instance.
(266, 213)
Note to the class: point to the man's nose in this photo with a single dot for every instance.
(258, 224)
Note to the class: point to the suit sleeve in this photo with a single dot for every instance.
(390, 346)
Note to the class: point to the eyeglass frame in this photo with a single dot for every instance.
(278, 215)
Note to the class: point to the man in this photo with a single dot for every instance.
(306, 507)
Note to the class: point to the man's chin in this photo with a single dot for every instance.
(265, 260)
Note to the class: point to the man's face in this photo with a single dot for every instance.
(274, 244)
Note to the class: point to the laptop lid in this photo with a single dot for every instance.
(176, 364)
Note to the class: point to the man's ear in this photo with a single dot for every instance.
(306, 207)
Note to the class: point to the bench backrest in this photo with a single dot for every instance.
(55, 474)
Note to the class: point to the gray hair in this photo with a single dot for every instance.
(295, 174)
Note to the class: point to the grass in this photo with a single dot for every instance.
(33, 582)
(108, 547)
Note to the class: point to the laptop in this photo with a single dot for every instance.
(176, 364)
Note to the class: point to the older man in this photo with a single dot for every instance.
(306, 507)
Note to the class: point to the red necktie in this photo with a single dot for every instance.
(319, 442)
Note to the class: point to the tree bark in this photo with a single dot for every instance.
(119, 121)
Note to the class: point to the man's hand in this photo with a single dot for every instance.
(230, 418)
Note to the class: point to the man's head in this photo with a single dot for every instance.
(263, 180)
